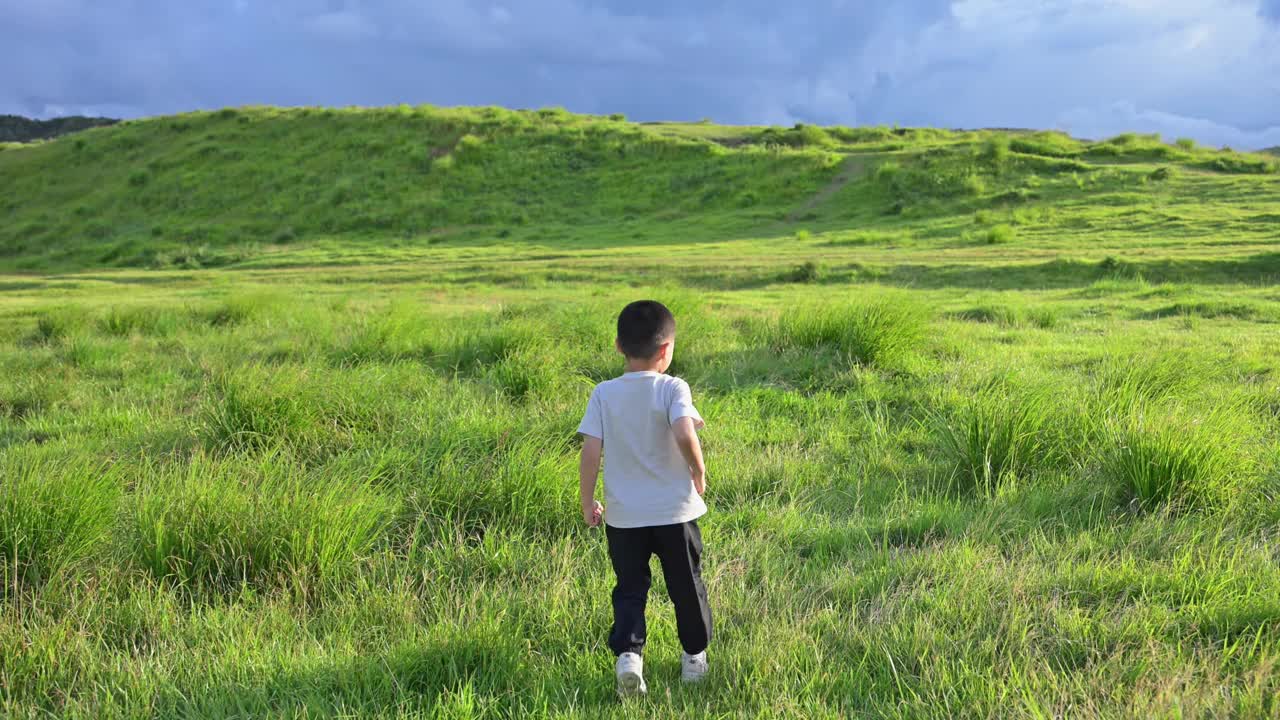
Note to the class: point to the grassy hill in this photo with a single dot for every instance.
(243, 178)
(215, 188)
(288, 399)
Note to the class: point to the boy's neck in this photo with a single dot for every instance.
(634, 365)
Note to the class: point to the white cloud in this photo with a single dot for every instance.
(1029, 64)
(1103, 122)
(1205, 68)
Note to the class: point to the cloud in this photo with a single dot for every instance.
(994, 64)
(1098, 123)
(343, 25)
(1210, 67)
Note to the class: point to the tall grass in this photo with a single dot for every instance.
(238, 309)
(1127, 383)
(254, 409)
(525, 373)
(58, 325)
(511, 480)
(495, 342)
(1179, 461)
(1047, 144)
(801, 135)
(218, 524)
(1011, 315)
(1162, 440)
(995, 439)
(995, 151)
(123, 321)
(391, 334)
(54, 512)
(25, 397)
(884, 332)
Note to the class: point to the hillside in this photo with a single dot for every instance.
(218, 188)
(18, 129)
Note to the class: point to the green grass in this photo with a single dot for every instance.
(219, 525)
(996, 440)
(54, 511)
(1177, 463)
(288, 399)
(1010, 315)
(884, 332)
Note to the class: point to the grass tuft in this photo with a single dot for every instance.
(881, 332)
(237, 310)
(54, 512)
(509, 481)
(22, 398)
(139, 320)
(488, 345)
(809, 271)
(1213, 309)
(996, 439)
(1009, 315)
(57, 325)
(398, 333)
(1181, 463)
(1128, 382)
(1000, 235)
(221, 524)
(524, 373)
(254, 409)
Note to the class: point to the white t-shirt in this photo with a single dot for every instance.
(646, 479)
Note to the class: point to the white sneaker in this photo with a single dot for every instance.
(693, 668)
(630, 670)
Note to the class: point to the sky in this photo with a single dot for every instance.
(1205, 69)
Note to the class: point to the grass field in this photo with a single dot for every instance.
(287, 402)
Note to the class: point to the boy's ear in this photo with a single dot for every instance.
(617, 345)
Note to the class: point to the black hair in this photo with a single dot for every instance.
(643, 326)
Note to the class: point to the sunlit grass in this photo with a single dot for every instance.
(337, 477)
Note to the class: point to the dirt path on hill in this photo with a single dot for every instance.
(852, 168)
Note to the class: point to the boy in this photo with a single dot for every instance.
(653, 483)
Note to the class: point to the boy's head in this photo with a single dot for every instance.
(647, 332)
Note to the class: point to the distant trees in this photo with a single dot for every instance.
(15, 128)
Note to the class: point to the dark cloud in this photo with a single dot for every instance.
(1211, 63)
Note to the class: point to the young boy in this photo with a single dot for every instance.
(653, 482)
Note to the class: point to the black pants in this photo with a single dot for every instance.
(679, 551)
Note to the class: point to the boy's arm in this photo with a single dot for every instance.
(686, 433)
(588, 471)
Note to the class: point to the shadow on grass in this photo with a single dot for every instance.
(1263, 268)
(1060, 511)
(1212, 310)
(1253, 269)
(480, 673)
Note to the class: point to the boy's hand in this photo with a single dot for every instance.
(699, 478)
(588, 469)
